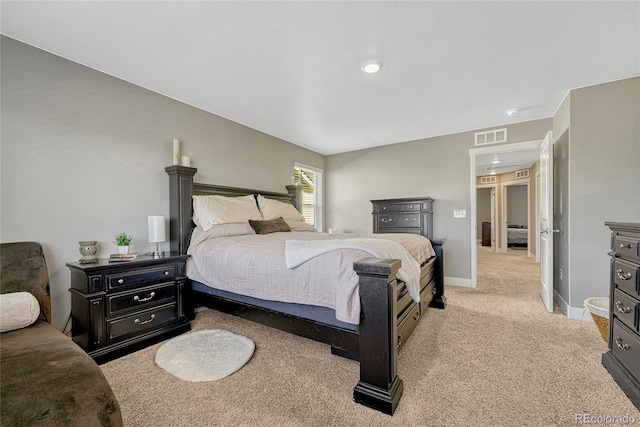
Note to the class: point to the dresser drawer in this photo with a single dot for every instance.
(399, 207)
(625, 308)
(626, 346)
(140, 298)
(408, 220)
(627, 246)
(141, 321)
(626, 276)
(148, 275)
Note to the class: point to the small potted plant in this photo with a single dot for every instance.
(123, 240)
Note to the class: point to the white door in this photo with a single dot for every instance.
(493, 219)
(546, 221)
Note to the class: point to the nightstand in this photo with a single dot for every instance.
(120, 307)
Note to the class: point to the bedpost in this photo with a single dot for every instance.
(439, 300)
(180, 194)
(379, 387)
(296, 193)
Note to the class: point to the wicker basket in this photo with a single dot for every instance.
(599, 309)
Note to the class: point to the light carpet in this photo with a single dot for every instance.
(205, 355)
(493, 357)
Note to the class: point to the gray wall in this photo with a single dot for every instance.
(517, 205)
(436, 167)
(604, 178)
(83, 158)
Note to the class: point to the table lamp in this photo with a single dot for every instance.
(156, 232)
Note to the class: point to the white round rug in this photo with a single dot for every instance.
(205, 355)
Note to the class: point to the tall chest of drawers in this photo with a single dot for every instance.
(414, 215)
(623, 358)
(120, 307)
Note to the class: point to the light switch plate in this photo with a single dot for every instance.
(460, 213)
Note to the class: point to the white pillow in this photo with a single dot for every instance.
(211, 210)
(18, 310)
(272, 209)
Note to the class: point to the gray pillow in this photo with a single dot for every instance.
(269, 226)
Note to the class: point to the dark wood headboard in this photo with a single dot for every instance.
(181, 190)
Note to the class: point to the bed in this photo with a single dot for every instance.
(517, 235)
(388, 311)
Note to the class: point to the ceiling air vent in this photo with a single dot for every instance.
(524, 173)
(491, 137)
(488, 179)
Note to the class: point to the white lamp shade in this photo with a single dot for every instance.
(156, 229)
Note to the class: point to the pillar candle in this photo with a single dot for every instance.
(176, 152)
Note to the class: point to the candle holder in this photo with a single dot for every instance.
(88, 249)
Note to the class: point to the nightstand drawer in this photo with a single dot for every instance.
(625, 307)
(148, 275)
(628, 246)
(408, 220)
(625, 276)
(140, 298)
(141, 321)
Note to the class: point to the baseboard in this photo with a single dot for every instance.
(564, 306)
(457, 281)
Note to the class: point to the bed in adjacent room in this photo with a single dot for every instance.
(517, 235)
(252, 255)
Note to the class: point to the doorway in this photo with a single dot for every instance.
(480, 156)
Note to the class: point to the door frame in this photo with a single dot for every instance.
(504, 244)
(473, 153)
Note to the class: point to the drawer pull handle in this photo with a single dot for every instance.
(620, 345)
(166, 273)
(623, 246)
(151, 295)
(153, 316)
(622, 309)
(416, 316)
(622, 275)
(121, 281)
(385, 220)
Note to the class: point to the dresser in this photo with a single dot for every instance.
(486, 234)
(120, 307)
(413, 215)
(623, 358)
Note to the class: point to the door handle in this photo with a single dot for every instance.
(549, 230)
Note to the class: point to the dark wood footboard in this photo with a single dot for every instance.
(379, 386)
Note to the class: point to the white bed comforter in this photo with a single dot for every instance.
(255, 265)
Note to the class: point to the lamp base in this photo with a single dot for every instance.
(157, 253)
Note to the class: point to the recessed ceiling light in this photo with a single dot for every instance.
(371, 66)
(513, 112)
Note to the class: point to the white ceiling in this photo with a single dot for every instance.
(494, 164)
(292, 69)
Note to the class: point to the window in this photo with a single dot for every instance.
(312, 198)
